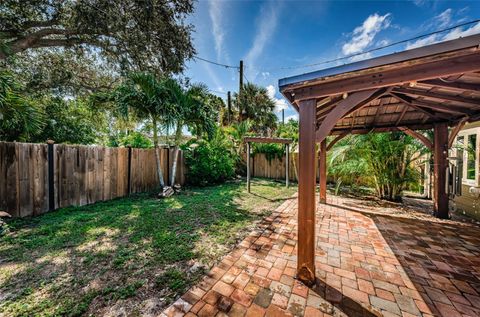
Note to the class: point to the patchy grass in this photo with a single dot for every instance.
(128, 256)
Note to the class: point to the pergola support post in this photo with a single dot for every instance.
(306, 193)
(440, 205)
(248, 167)
(322, 166)
(287, 165)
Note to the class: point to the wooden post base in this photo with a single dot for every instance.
(306, 276)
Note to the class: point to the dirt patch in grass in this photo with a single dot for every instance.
(130, 256)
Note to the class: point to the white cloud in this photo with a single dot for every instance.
(451, 35)
(216, 12)
(360, 57)
(422, 42)
(292, 117)
(364, 35)
(280, 104)
(444, 19)
(268, 21)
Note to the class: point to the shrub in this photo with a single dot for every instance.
(209, 162)
(136, 140)
(271, 150)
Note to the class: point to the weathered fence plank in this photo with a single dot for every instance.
(81, 175)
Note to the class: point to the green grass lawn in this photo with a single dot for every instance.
(132, 255)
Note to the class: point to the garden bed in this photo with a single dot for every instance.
(126, 256)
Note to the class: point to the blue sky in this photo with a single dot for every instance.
(268, 35)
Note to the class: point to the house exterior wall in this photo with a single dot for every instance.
(468, 203)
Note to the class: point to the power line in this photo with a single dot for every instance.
(373, 49)
(214, 63)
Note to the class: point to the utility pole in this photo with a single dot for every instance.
(240, 88)
(283, 116)
(229, 107)
(241, 77)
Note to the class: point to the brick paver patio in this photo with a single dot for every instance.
(367, 265)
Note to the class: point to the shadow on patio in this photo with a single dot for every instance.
(398, 265)
(368, 264)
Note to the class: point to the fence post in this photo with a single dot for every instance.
(129, 172)
(51, 175)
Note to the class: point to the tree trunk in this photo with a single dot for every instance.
(157, 157)
(178, 135)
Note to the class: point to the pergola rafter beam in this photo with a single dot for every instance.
(418, 136)
(434, 95)
(456, 86)
(355, 100)
(337, 138)
(408, 100)
(443, 108)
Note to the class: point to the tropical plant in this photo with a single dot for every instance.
(209, 161)
(20, 118)
(271, 150)
(193, 111)
(253, 103)
(136, 140)
(289, 130)
(147, 98)
(385, 159)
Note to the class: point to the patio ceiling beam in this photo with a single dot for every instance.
(433, 95)
(443, 108)
(386, 128)
(408, 100)
(391, 77)
(345, 106)
(456, 86)
(400, 117)
(418, 136)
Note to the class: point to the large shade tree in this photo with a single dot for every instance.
(137, 35)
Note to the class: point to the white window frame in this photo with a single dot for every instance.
(465, 133)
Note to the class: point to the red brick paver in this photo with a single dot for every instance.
(367, 265)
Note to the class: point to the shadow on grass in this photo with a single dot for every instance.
(83, 259)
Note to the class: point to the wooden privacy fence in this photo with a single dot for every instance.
(260, 166)
(35, 178)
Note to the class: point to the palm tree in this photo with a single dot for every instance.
(193, 110)
(384, 158)
(147, 97)
(19, 117)
(254, 104)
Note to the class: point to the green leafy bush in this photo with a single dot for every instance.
(136, 140)
(271, 150)
(209, 162)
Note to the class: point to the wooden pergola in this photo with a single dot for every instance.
(432, 87)
(260, 139)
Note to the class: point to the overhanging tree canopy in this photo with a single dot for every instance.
(141, 35)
